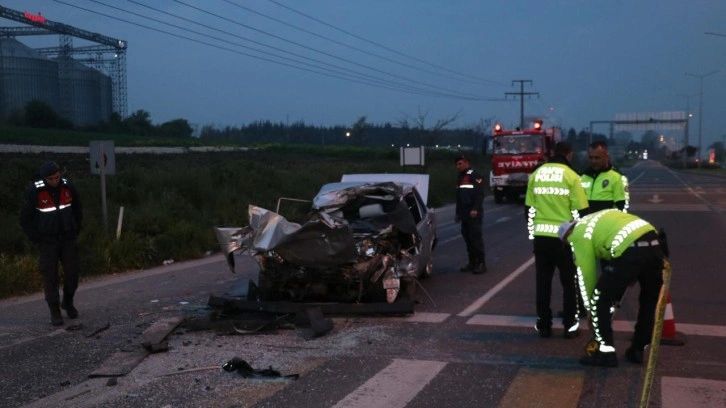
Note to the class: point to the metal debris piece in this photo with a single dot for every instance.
(246, 370)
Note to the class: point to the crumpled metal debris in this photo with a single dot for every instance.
(246, 370)
(359, 242)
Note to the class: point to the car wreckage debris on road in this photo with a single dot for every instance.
(366, 239)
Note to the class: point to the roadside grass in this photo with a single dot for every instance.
(172, 202)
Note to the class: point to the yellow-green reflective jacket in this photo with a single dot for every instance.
(604, 235)
(554, 195)
(606, 189)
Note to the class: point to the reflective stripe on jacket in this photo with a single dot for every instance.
(605, 235)
(554, 195)
(51, 213)
(469, 193)
(606, 189)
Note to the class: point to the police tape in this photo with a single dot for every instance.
(655, 339)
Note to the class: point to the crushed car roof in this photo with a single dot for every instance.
(420, 181)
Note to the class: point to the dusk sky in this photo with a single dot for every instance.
(390, 60)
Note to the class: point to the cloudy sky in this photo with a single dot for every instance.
(329, 62)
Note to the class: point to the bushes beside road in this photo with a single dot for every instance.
(172, 202)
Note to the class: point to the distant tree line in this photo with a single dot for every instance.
(38, 114)
(413, 131)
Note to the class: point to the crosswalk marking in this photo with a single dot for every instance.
(424, 317)
(618, 325)
(539, 388)
(394, 386)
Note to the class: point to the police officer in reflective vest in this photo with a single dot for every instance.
(554, 195)
(469, 212)
(605, 186)
(632, 247)
(51, 217)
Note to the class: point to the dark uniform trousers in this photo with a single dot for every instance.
(65, 251)
(472, 234)
(551, 253)
(642, 264)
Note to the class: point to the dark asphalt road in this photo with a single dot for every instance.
(469, 344)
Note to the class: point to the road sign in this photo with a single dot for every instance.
(103, 157)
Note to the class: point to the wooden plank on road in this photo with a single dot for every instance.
(122, 362)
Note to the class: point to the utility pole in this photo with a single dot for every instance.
(700, 108)
(686, 134)
(521, 95)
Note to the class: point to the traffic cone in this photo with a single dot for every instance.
(669, 336)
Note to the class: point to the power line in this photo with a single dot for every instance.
(484, 81)
(346, 45)
(471, 97)
(521, 95)
(220, 47)
(371, 80)
(331, 73)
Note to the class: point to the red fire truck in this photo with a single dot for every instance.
(515, 155)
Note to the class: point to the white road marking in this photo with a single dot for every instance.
(424, 317)
(493, 291)
(679, 392)
(394, 386)
(618, 325)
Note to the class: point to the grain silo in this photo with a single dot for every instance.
(25, 75)
(74, 90)
(88, 92)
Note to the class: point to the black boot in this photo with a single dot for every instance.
(56, 319)
(480, 268)
(600, 359)
(470, 266)
(67, 305)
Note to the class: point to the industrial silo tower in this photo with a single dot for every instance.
(83, 84)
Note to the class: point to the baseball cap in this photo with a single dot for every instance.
(566, 226)
(49, 168)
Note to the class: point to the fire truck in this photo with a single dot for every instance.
(515, 155)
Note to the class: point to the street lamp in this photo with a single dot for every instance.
(700, 108)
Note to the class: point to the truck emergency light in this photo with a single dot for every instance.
(497, 128)
(538, 124)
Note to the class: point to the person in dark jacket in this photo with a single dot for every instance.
(52, 217)
(469, 212)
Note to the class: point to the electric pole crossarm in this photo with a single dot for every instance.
(521, 95)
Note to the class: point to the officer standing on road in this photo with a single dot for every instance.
(632, 247)
(554, 195)
(469, 212)
(605, 186)
(51, 217)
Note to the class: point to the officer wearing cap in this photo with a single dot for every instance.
(634, 251)
(554, 195)
(52, 217)
(469, 212)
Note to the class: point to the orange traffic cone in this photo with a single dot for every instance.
(669, 336)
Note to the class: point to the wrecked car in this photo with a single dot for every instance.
(367, 238)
